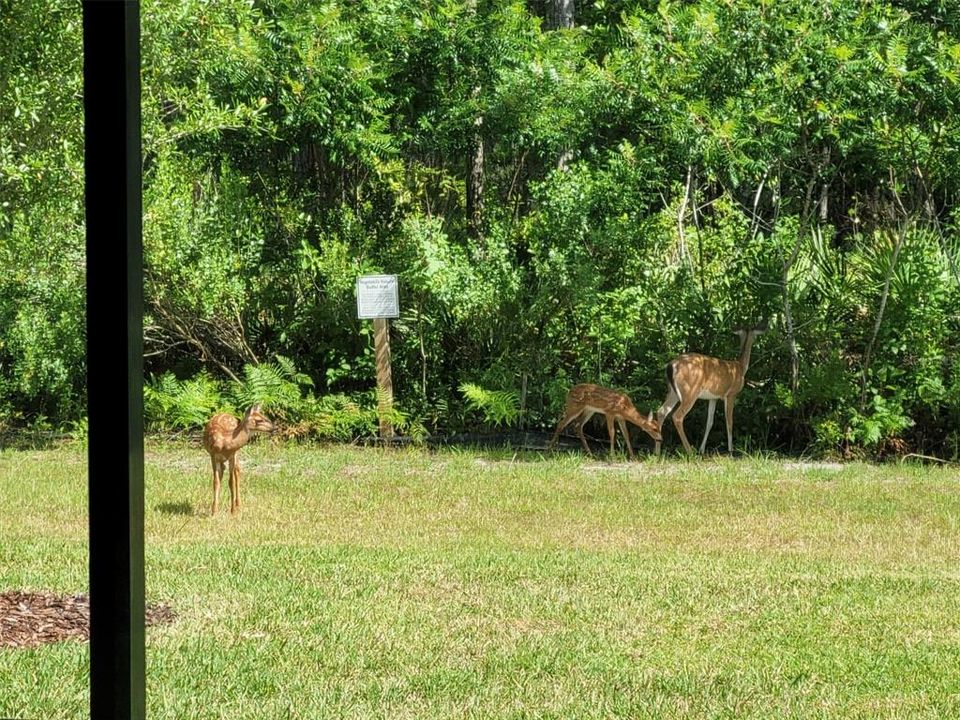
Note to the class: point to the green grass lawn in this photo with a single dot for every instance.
(363, 583)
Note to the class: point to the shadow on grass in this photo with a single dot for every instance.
(175, 508)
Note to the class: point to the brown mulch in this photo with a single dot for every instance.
(29, 619)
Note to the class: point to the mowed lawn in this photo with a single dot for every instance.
(364, 583)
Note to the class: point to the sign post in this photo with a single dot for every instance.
(378, 300)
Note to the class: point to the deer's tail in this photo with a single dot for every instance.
(670, 371)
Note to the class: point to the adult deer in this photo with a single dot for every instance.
(223, 436)
(693, 377)
(585, 400)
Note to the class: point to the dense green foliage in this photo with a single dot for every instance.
(561, 205)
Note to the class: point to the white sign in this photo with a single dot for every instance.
(377, 297)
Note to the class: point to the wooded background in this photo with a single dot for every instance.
(568, 192)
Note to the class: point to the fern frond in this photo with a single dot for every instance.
(498, 407)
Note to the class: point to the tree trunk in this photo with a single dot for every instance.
(878, 321)
(788, 264)
(807, 224)
(475, 183)
(559, 14)
(475, 170)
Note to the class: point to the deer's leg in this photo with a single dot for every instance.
(561, 425)
(217, 474)
(626, 435)
(678, 417)
(236, 488)
(611, 431)
(583, 421)
(711, 407)
(728, 411)
(234, 485)
(669, 403)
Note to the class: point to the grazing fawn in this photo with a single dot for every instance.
(223, 436)
(585, 400)
(693, 377)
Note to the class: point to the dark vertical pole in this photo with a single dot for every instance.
(111, 80)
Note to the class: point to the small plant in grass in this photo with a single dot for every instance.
(79, 431)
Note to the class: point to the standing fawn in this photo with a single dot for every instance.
(693, 376)
(585, 400)
(223, 436)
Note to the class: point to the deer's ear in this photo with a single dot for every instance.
(650, 415)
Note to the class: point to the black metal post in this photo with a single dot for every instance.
(111, 82)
